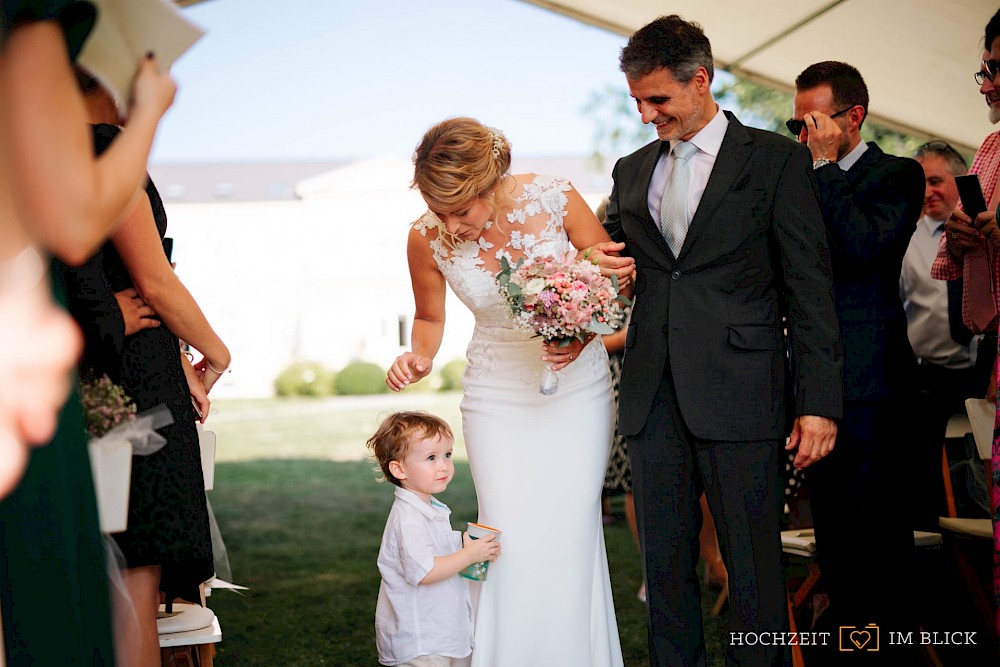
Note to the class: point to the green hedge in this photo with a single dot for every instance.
(451, 375)
(304, 378)
(360, 377)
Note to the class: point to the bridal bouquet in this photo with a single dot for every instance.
(116, 433)
(561, 299)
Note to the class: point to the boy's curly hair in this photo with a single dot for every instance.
(397, 432)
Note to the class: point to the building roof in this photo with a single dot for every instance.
(193, 183)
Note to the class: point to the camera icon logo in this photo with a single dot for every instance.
(853, 638)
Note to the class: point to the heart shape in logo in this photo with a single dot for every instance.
(860, 638)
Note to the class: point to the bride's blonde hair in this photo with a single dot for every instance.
(460, 160)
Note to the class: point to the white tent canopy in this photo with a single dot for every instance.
(917, 56)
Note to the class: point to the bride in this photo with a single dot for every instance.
(538, 461)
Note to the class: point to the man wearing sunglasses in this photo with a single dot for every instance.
(871, 202)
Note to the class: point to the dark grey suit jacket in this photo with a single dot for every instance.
(756, 252)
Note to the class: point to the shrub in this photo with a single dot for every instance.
(304, 378)
(451, 375)
(360, 377)
(431, 383)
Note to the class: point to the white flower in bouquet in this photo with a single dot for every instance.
(560, 299)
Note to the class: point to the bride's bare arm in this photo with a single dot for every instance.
(67, 198)
(588, 235)
(429, 292)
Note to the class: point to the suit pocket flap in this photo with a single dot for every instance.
(755, 337)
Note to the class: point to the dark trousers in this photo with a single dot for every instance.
(741, 480)
(863, 536)
(942, 394)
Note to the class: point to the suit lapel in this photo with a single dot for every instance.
(736, 148)
(639, 201)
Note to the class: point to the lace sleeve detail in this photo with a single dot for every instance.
(541, 207)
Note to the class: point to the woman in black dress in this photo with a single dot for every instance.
(167, 545)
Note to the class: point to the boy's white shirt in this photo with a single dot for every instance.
(413, 620)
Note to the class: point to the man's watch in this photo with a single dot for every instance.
(821, 163)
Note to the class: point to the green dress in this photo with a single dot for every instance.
(53, 578)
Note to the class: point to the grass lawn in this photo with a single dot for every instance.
(302, 518)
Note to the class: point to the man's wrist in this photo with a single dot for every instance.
(822, 162)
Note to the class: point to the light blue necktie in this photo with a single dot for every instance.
(674, 203)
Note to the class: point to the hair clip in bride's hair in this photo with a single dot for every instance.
(498, 142)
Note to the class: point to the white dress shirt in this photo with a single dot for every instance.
(852, 157)
(709, 141)
(925, 301)
(412, 620)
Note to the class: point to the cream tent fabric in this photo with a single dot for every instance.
(917, 56)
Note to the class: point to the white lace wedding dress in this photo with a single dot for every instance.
(538, 461)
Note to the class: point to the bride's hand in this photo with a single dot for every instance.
(561, 357)
(407, 369)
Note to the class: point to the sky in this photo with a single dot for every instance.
(346, 79)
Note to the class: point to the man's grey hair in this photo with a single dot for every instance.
(956, 163)
(669, 43)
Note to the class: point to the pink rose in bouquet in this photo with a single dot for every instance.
(561, 299)
(105, 405)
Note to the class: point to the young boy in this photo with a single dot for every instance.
(424, 616)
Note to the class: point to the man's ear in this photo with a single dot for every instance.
(857, 114)
(397, 470)
(702, 81)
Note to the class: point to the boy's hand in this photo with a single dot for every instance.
(484, 548)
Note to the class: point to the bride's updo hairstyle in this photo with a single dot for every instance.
(460, 160)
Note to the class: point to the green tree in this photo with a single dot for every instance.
(618, 129)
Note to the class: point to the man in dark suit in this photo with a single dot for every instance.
(728, 240)
(871, 202)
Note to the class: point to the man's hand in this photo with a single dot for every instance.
(960, 234)
(135, 312)
(605, 255)
(814, 437)
(986, 223)
(824, 136)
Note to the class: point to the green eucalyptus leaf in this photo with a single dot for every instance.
(602, 328)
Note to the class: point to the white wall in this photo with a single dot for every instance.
(323, 278)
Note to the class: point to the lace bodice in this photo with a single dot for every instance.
(533, 228)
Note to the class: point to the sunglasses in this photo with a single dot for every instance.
(937, 146)
(795, 126)
(989, 71)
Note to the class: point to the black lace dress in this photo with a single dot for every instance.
(168, 512)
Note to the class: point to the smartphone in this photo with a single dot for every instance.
(168, 248)
(194, 404)
(971, 194)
